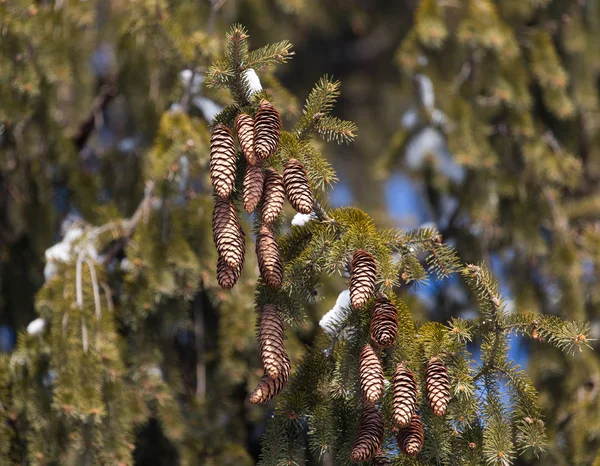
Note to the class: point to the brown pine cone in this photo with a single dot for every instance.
(370, 373)
(404, 401)
(269, 258)
(226, 276)
(254, 180)
(244, 127)
(437, 384)
(272, 350)
(267, 130)
(297, 187)
(363, 273)
(227, 234)
(384, 322)
(379, 459)
(370, 434)
(222, 161)
(273, 196)
(410, 438)
(267, 389)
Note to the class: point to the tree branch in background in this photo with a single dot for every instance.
(107, 93)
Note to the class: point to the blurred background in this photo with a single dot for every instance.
(479, 117)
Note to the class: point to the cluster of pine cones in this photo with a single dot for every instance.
(258, 138)
(266, 190)
(384, 328)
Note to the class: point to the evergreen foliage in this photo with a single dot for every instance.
(142, 358)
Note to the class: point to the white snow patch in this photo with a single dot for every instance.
(331, 321)
(253, 80)
(36, 327)
(300, 220)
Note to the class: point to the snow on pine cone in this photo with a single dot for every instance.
(267, 389)
(267, 130)
(370, 434)
(274, 359)
(384, 322)
(254, 180)
(297, 187)
(437, 385)
(227, 276)
(228, 234)
(404, 398)
(370, 373)
(269, 258)
(410, 438)
(244, 127)
(222, 161)
(273, 196)
(363, 273)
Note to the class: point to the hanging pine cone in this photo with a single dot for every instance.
(228, 234)
(244, 127)
(226, 276)
(272, 350)
(379, 459)
(297, 187)
(222, 161)
(273, 197)
(410, 439)
(269, 259)
(370, 434)
(437, 384)
(267, 129)
(254, 180)
(363, 272)
(384, 322)
(370, 373)
(404, 401)
(267, 388)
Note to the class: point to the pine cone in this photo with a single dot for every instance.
(272, 350)
(254, 179)
(228, 234)
(410, 439)
(437, 384)
(297, 187)
(267, 388)
(370, 373)
(404, 401)
(269, 258)
(370, 434)
(244, 127)
(267, 129)
(363, 272)
(226, 276)
(379, 459)
(273, 196)
(222, 161)
(384, 322)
